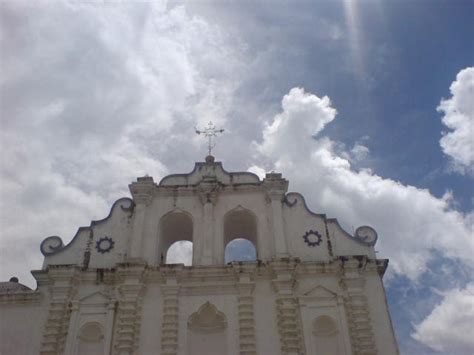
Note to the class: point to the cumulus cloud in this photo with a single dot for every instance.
(448, 328)
(94, 95)
(303, 116)
(411, 222)
(458, 116)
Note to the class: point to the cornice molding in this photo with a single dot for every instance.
(20, 298)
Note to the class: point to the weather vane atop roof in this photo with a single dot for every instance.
(209, 132)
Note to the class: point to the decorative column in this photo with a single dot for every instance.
(357, 309)
(109, 325)
(247, 341)
(57, 324)
(142, 192)
(169, 323)
(276, 189)
(287, 308)
(208, 191)
(131, 291)
(71, 334)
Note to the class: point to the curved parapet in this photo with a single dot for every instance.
(319, 237)
(54, 244)
(213, 170)
(125, 204)
(291, 199)
(364, 235)
(361, 243)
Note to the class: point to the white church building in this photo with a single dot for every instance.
(313, 288)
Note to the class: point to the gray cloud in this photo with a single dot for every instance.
(93, 96)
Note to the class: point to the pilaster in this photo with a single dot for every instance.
(170, 311)
(62, 289)
(130, 291)
(109, 325)
(357, 307)
(142, 192)
(276, 188)
(287, 308)
(208, 192)
(247, 341)
(72, 331)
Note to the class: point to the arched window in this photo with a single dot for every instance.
(240, 235)
(176, 236)
(91, 340)
(326, 336)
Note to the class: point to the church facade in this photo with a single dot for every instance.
(313, 288)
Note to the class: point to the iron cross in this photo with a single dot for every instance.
(209, 132)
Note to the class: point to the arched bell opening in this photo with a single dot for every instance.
(176, 238)
(240, 236)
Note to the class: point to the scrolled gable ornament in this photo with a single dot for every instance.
(366, 235)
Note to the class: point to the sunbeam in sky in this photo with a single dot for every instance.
(355, 36)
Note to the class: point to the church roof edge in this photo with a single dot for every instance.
(207, 169)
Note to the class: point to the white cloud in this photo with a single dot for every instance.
(449, 327)
(303, 116)
(458, 142)
(411, 222)
(94, 95)
(260, 172)
(180, 252)
(359, 152)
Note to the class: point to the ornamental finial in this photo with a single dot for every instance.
(209, 132)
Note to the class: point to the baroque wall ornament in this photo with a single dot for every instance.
(312, 238)
(104, 245)
(207, 319)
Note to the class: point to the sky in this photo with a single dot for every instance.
(366, 107)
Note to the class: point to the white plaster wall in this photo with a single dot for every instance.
(297, 222)
(205, 245)
(226, 304)
(381, 323)
(116, 226)
(21, 328)
(344, 245)
(73, 253)
(138, 236)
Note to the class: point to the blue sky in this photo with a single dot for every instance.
(96, 93)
